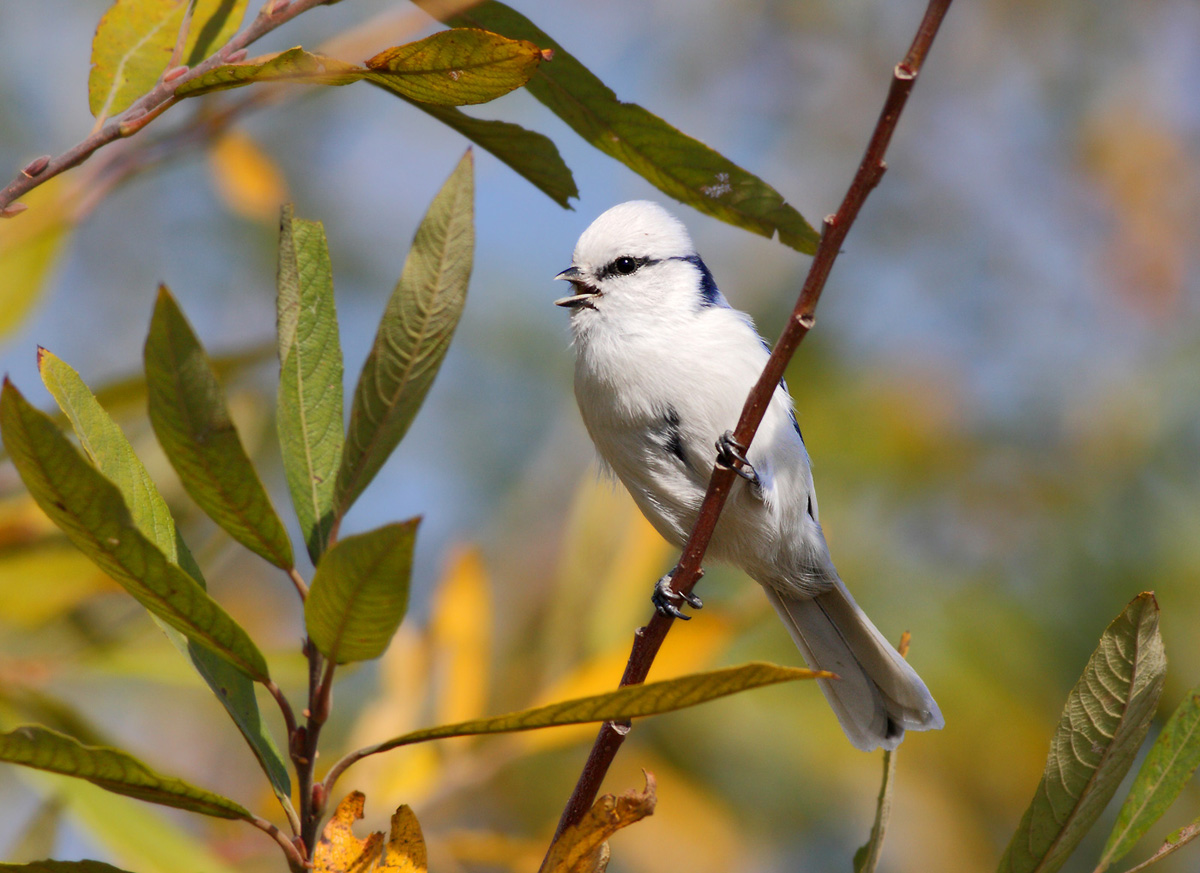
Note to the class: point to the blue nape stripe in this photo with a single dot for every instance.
(710, 294)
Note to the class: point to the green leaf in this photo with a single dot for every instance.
(131, 49)
(134, 834)
(456, 67)
(413, 335)
(108, 448)
(632, 701)
(866, 859)
(61, 867)
(114, 457)
(1104, 722)
(127, 395)
(360, 593)
(214, 22)
(673, 162)
(450, 68)
(1167, 769)
(295, 64)
(309, 412)
(111, 769)
(188, 412)
(532, 155)
(92, 513)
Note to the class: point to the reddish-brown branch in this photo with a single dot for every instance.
(649, 639)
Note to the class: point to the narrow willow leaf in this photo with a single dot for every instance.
(404, 851)
(214, 22)
(632, 701)
(114, 457)
(131, 49)
(190, 418)
(673, 162)
(295, 64)
(128, 394)
(583, 847)
(1104, 722)
(866, 859)
(108, 448)
(1175, 841)
(413, 335)
(1167, 769)
(360, 593)
(309, 411)
(111, 769)
(60, 867)
(92, 513)
(533, 156)
(456, 67)
(138, 834)
(450, 68)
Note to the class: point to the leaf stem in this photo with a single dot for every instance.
(296, 860)
(649, 639)
(298, 581)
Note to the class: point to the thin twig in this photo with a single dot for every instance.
(296, 860)
(649, 639)
(289, 717)
(147, 107)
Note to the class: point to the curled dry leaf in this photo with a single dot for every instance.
(583, 847)
(338, 850)
(405, 850)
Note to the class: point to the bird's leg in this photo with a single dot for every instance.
(665, 597)
(732, 455)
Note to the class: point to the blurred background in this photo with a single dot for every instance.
(1002, 400)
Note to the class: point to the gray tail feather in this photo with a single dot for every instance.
(878, 695)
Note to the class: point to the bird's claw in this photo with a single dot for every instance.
(732, 456)
(665, 597)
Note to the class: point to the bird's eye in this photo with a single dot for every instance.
(625, 265)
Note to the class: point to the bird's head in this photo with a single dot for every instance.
(636, 261)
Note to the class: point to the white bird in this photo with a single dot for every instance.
(663, 366)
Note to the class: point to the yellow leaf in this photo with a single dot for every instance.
(247, 180)
(130, 50)
(695, 829)
(29, 248)
(405, 849)
(491, 849)
(399, 704)
(583, 847)
(461, 636)
(622, 591)
(600, 524)
(338, 850)
(25, 603)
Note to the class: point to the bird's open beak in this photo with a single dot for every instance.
(585, 293)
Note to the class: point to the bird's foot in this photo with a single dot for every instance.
(665, 597)
(732, 455)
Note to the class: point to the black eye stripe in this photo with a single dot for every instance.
(624, 266)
